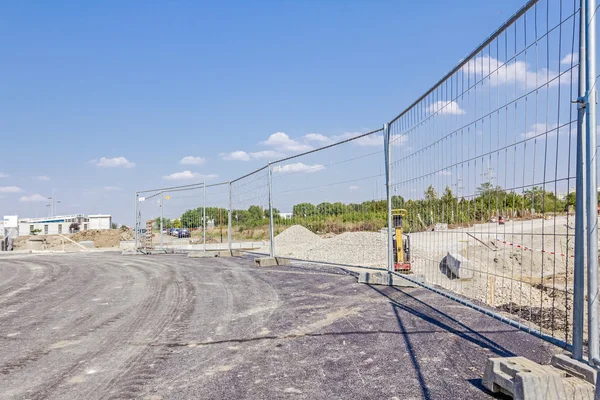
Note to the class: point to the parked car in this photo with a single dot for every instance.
(184, 233)
(174, 232)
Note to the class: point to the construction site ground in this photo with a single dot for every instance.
(103, 325)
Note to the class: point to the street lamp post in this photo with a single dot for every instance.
(53, 205)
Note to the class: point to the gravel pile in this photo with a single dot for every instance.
(297, 234)
(352, 248)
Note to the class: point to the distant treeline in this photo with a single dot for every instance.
(433, 208)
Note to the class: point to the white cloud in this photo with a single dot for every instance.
(235, 156)
(317, 137)
(10, 189)
(257, 155)
(298, 167)
(191, 160)
(570, 58)
(539, 129)
(353, 187)
(370, 140)
(3, 175)
(114, 162)
(282, 142)
(445, 107)
(400, 139)
(186, 175)
(269, 154)
(444, 172)
(111, 188)
(33, 197)
(42, 178)
(509, 73)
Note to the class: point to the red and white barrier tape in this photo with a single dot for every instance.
(518, 246)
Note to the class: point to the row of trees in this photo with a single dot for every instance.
(490, 200)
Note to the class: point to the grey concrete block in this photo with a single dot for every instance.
(524, 379)
(575, 368)
(271, 261)
(202, 254)
(88, 244)
(459, 266)
(127, 245)
(265, 261)
(383, 278)
(224, 253)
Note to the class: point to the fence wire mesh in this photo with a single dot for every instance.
(250, 211)
(182, 214)
(330, 205)
(217, 206)
(171, 217)
(485, 167)
(479, 173)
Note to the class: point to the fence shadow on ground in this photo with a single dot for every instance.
(440, 319)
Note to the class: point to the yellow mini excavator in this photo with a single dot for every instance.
(401, 243)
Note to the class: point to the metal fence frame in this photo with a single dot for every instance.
(586, 231)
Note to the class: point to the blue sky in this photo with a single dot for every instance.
(100, 100)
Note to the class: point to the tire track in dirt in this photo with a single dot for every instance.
(79, 327)
(111, 341)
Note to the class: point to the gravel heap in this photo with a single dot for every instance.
(103, 238)
(352, 248)
(297, 234)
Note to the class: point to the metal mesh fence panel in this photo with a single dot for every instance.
(171, 218)
(148, 210)
(217, 206)
(250, 211)
(484, 164)
(182, 215)
(330, 204)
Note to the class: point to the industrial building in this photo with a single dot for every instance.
(61, 224)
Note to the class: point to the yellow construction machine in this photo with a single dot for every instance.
(401, 242)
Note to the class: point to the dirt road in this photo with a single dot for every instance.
(106, 326)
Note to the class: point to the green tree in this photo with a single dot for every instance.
(255, 213)
(325, 208)
(192, 218)
(275, 213)
(570, 199)
(177, 224)
(167, 223)
(430, 193)
(304, 210)
(397, 202)
(338, 208)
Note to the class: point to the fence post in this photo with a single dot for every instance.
(162, 213)
(592, 194)
(229, 220)
(204, 216)
(580, 190)
(271, 227)
(388, 189)
(136, 224)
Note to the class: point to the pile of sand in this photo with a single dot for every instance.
(103, 238)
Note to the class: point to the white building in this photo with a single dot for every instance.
(283, 215)
(99, 221)
(60, 224)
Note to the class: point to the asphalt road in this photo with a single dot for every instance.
(106, 326)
